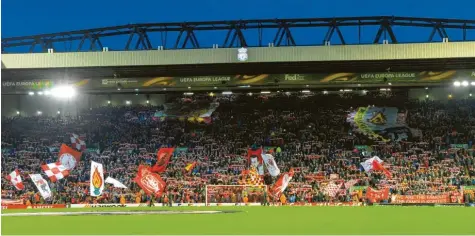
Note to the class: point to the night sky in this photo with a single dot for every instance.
(28, 17)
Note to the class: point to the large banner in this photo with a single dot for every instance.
(468, 188)
(41, 185)
(343, 204)
(237, 80)
(151, 183)
(374, 195)
(444, 198)
(469, 191)
(358, 188)
(97, 179)
(190, 111)
(380, 123)
(282, 183)
(35, 206)
(271, 165)
(163, 157)
(459, 146)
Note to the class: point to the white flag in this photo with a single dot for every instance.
(260, 170)
(332, 189)
(270, 164)
(41, 185)
(15, 178)
(97, 179)
(115, 182)
(254, 162)
(368, 164)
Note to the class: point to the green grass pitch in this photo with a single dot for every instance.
(252, 220)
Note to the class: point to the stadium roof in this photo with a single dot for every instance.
(242, 33)
(279, 32)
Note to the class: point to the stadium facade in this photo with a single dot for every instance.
(381, 56)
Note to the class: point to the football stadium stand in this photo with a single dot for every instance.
(389, 122)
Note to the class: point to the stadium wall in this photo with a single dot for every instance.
(49, 106)
(373, 52)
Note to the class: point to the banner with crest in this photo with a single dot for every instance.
(381, 123)
(96, 185)
(150, 182)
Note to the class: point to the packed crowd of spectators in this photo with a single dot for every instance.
(308, 133)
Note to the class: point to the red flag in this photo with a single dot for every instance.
(15, 178)
(378, 166)
(150, 182)
(377, 195)
(282, 183)
(68, 157)
(77, 142)
(257, 153)
(55, 171)
(163, 157)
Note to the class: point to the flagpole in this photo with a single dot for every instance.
(206, 195)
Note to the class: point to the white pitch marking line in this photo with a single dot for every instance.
(109, 213)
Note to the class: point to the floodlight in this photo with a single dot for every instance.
(63, 92)
(457, 84)
(31, 93)
(465, 83)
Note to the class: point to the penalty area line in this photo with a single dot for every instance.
(255, 235)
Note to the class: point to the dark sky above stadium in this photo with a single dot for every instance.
(28, 17)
